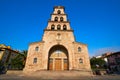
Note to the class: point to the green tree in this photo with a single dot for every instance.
(19, 61)
(97, 63)
(24, 55)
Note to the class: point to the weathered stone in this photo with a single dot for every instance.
(58, 49)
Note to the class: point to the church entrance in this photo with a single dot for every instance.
(58, 58)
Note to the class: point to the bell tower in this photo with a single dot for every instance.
(59, 24)
(58, 20)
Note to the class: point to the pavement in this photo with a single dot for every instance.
(55, 75)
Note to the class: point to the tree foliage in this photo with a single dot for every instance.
(19, 61)
(97, 63)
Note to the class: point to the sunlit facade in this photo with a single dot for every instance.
(58, 49)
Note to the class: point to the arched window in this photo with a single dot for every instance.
(56, 18)
(52, 27)
(59, 12)
(61, 18)
(64, 27)
(58, 27)
(58, 51)
(51, 60)
(79, 49)
(36, 48)
(80, 61)
(35, 60)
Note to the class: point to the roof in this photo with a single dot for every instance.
(6, 48)
(115, 53)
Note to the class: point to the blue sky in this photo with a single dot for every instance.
(95, 22)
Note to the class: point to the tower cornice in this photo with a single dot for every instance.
(59, 14)
(59, 30)
(60, 7)
(59, 21)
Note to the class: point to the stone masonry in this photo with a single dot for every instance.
(58, 49)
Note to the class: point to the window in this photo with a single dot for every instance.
(35, 60)
(50, 60)
(59, 12)
(52, 27)
(79, 49)
(36, 48)
(4, 57)
(64, 27)
(80, 61)
(65, 60)
(58, 36)
(58, 27)
(58, 51)
(117, 60)
(12, 54)
(61, 18)
(56, 18)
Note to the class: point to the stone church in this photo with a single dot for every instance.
(58, 49)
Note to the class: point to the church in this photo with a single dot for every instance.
(58, 49)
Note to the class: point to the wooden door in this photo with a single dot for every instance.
(65, 64)
(50, 64)
(58, 64)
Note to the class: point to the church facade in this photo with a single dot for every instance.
(58, 49)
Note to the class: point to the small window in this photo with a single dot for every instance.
(79, 49)
(59, 12)
(35, 60)
(58, 36)
(12, 54)
(80, 61)
(56, 18)
(61, 18)
(52, 27)
(58, 27)
(65, 60)
(37, 48)
(64, 27)
(50, 60)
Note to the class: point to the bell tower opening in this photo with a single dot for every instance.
(58, 58)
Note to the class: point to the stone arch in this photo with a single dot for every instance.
(58, 58)
(56, 19)
(58, 12)
(64, 27)
(58, 27)
(61, 19)
(52, 27)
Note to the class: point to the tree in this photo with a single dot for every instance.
(24, 55)
(19, 61)
(97, 63)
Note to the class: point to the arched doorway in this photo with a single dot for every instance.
(58, 58)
